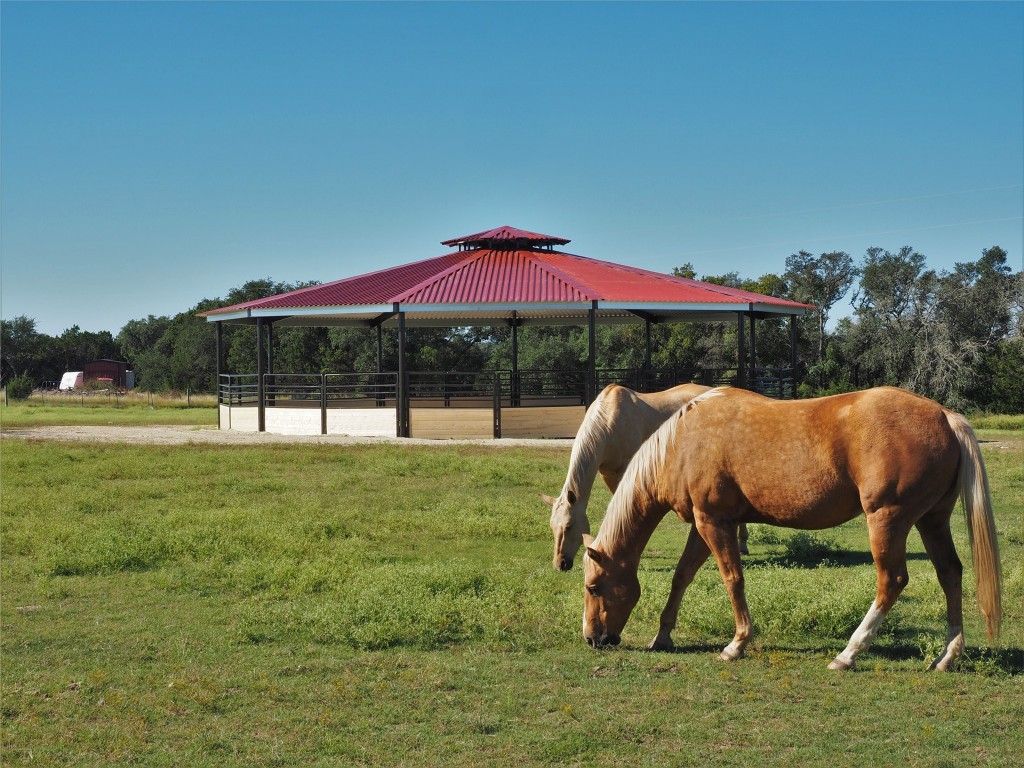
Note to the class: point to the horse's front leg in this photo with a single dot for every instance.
(889, 550)
(721, 538)
(694, 554)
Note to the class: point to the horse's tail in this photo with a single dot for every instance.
(972, 484)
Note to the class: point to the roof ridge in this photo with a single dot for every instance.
(478, 254)
(581, 285)
(465, 257)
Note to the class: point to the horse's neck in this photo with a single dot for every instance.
(638, 504)
(630, 543)
(633, 514)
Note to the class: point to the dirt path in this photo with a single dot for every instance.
(184, 435)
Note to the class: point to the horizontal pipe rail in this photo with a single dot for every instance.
(473, 388)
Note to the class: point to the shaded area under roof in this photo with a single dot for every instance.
(504, 275)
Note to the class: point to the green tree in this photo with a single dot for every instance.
(22, 348)
(891, 305)
(138, 337)
(76, 347)
(822, 281)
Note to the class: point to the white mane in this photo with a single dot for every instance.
(588, 445)
(642, 473)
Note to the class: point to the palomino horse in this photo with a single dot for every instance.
(732, 456)
(614, 427)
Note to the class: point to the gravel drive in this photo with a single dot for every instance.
(184, 435)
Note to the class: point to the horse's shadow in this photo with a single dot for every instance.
(976, 659)
(834, 559)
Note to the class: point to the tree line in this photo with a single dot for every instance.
(956, 336)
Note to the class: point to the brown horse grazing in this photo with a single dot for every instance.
(614, 427)
(731, 456)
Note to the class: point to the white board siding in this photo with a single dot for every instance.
(363, 422)
(238, 418)
(292, 421)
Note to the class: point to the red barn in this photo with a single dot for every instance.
(113, 371)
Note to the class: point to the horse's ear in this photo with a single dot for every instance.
(547, 500)
(593, 554)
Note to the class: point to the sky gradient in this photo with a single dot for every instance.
(156, 154)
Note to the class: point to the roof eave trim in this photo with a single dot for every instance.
(777, 309)
(347, 309)
(677, 306)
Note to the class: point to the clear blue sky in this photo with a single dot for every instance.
(155, 154)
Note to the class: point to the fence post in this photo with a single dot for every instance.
(497, 404)
(323, 403)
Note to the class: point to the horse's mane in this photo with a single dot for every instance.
(588, 445)
(636, 488)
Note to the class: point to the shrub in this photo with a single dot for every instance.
(803, 550)
(20, 387)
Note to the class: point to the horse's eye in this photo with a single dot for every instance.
(592, 590)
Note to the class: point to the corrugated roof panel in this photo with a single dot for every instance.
(619, 282)
(372, 288)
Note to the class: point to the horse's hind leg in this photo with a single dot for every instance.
(744, 536)
(938, 542)
(889, 550)
(693, 557)
(723, 543)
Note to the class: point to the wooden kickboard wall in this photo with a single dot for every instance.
(552, 422)
(451, 423)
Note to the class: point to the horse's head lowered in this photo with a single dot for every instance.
(568, 523)
(611, 591)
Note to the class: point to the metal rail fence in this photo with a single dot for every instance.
(452, 389)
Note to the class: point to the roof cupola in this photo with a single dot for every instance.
(506, 239)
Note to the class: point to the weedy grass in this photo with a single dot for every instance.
(100, 411)
(997, 421)
(395, 605)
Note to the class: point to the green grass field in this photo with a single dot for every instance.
(395, 605)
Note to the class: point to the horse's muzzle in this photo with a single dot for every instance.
(603, 641)
(565, 564)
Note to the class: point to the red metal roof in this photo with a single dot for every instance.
(464, 280)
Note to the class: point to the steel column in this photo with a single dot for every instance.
(753, 349)
(515, 359)
(592, 360)
(270, 347)
(792, 350)
(403, 381)
(271, 399)
(380, 348)
(219, 337)
(741, 353)
(261, 423)
(647, 345)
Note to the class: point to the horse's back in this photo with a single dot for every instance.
(836, 454)
(630, 417)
